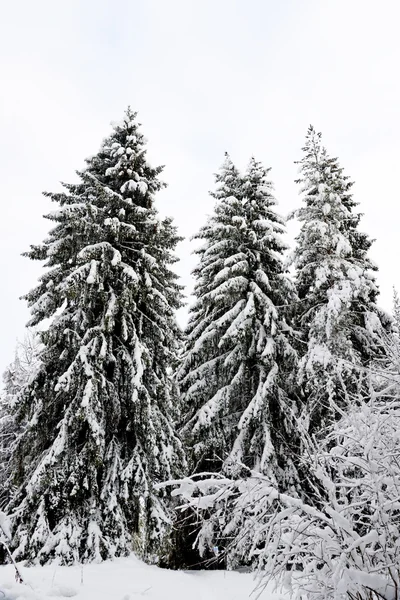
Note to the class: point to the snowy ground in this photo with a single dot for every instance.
(126, 579)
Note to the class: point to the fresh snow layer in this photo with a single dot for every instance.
(126, 579)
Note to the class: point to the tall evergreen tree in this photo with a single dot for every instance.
(337, 291)
(101, 412)
(237, 410)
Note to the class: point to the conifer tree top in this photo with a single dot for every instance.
(329, 231)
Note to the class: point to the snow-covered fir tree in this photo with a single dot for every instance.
(238, 359)
(337, 310)
(100, 414)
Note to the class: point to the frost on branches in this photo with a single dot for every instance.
(100, 413)
(393, 338)
(336, 285)
(16, 377)
(350, 546)
(236, 406)
(347, 545)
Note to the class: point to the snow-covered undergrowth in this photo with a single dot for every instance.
(126, 579)
(346, 545)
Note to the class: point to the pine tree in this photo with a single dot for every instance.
(337, 291)
(236, 405)
(101, 412)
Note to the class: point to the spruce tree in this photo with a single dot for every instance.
(396, 312)
(238, 357)
(101, 411)
(337, 311)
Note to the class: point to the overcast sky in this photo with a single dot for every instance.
(246, 76)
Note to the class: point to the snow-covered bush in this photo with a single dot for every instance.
(18, 374)
(348, 543)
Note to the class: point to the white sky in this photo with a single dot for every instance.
(206, 76)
